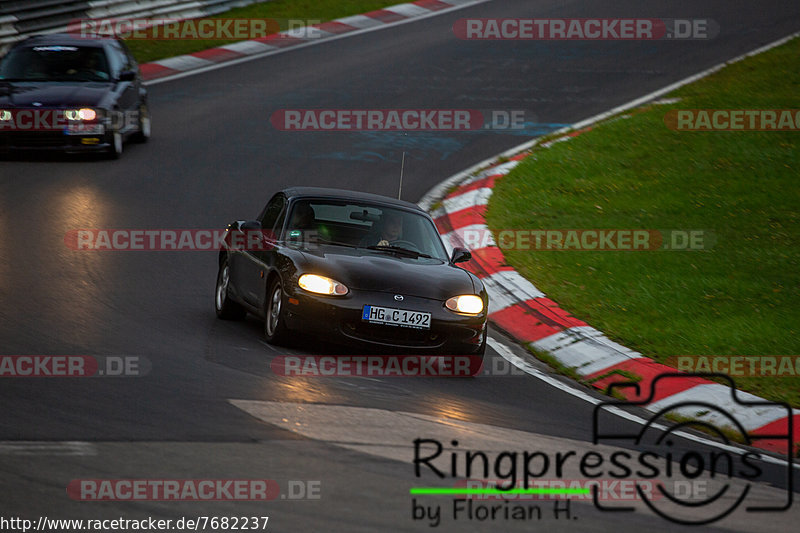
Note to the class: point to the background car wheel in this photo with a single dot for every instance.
(274, 324)
(226, 308)
(115, 150)
(143, 134)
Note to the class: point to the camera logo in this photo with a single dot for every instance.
(661, 455)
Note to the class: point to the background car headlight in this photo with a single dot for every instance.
(322, 285)
(85, 113)
(468, 304)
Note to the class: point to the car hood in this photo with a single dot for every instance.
(367, 271)
(53, 94)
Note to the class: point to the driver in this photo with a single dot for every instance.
(391, 230)
(92, 65)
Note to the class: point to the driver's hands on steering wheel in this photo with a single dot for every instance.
(383, 242)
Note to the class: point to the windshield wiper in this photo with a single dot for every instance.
(399, 250)
(337, 243)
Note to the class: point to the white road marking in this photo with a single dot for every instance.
(360, 21)
(308, 32)
(585, 349)
(751, 417)
(407, 10)
(21, 447)
(456, 237)
(248, 47)
(184, 62)
(507, 288)
(467, 200)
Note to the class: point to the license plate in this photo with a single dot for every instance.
(396, 317)
(84, 129)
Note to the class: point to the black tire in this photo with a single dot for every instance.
(226, 308)
(275, 330)
(482, 349)
(481, 353)
(143, 135)
(115, 150)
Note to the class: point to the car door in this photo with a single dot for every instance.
(254, 263)
(127, 91)
(140, 91)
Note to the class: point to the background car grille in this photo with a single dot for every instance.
(33, 139)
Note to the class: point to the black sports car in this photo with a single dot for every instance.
(72, 94)
(354, 268)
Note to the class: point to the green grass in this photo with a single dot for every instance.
(280, 10)
(742, 297)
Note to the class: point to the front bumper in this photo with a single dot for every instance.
(54, 141)
(339, 319)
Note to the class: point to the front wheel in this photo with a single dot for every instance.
(274, 324)
(482, 349)
(115, 149)
(226, 308)
(143, 134)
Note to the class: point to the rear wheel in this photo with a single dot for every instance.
(226, 308)
(274, 324)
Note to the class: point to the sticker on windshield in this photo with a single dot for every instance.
(55, 49)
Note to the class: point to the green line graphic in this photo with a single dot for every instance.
(437, 491)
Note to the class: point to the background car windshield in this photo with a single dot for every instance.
(55, 63)
(364, 225)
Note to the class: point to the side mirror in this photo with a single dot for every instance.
(251, 236)
(460, 255)
(250, 225)
(127, 75)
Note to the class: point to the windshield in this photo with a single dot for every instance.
(55, 63)
(364, 225)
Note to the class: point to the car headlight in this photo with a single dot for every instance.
(322, 285)
(467, 304)
(5, 114)
(85, 113)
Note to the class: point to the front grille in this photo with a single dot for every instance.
(34, 139)
(394, 335)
